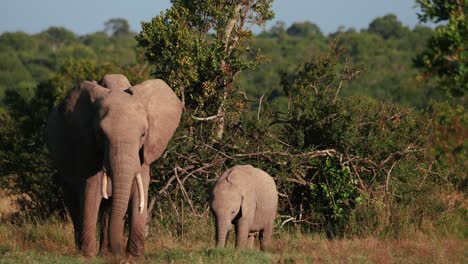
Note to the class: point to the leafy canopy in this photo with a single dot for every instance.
(199, 47)
(446, 55)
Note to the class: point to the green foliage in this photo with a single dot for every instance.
(368, 149)
(117, 27)
(387, 27)
(13, 74)
(27, 60)
(387, 76)
(312, 91)
(333, 194)
(305, 29)
(199, 48)
(337, 160)
(57, 36)
(450, 142)
(446, 55)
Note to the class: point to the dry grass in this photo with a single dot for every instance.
(52, 241)
(420, 249)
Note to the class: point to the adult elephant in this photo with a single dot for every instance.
(103, 138)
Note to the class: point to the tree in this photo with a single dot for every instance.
(387, 27)
(19, 41)
(59, 36)
(199, 48)
(117, 27)
(304, 29)
(446, 55)
(13, 73)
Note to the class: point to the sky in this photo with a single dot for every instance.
(87, 16)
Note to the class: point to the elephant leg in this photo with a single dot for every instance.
(71, 197)
(137, 223)
(242, 233)
(104, 246)
(265, 237)
(92, 201)
(251, 240)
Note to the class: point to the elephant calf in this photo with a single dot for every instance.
(246, 197)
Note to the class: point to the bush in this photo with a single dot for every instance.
(338, 162)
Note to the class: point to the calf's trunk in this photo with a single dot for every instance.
(221, 233)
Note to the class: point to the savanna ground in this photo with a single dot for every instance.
(51, 241)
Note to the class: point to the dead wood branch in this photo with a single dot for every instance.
(184, 192)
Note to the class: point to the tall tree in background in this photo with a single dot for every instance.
(117, 27)
(199, 47)
(446, 55)
(388, 27)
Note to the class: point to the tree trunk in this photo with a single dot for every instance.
(221, 113)
(228, 84)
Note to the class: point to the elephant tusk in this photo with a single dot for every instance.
(104, 186)
(141, 192)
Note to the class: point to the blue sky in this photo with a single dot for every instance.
(86, 16)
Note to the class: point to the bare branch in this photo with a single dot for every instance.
(164, 189)
(387, 181)
(184, 192)
(337, 91)
(205, 118)
(260, 107)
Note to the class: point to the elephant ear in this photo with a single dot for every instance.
(164, 110)
(236, 177)
(115, 82)
(248, 205)
(70, 125)
(78, 107)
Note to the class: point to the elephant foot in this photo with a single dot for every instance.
(105, 252)
(135, 254)
(129, 260)
(251, 240)
(120, 260)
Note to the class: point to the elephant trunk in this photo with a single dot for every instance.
(124, 169)
(141, 191)
(222, 228)
(120, 199)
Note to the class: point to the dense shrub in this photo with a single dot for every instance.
(338, 162)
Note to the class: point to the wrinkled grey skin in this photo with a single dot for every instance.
(246, 197)
(119, 129)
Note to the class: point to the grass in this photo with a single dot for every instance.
(51, 241)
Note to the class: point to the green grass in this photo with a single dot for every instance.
(228, 255)
(51, 241)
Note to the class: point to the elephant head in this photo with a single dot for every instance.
(126, 128)
(226, 204)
